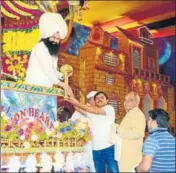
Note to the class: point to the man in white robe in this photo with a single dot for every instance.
(42, 67)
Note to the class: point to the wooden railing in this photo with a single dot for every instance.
(151, 75)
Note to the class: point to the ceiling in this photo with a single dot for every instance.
(157, 15)
(131, 14)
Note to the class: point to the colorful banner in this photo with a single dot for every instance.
(20, 106)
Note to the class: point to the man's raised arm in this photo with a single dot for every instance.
(87, 108)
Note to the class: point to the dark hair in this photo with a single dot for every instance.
(161, 117)
(52, 48)
(101, 92)
(63, 114)
(64, 111)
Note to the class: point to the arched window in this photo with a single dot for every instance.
(148, 104)
(162, 103)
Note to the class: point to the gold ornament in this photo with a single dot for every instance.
(67, 70)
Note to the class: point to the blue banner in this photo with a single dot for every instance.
(19, 105)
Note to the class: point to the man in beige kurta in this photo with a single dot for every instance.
(131, 131)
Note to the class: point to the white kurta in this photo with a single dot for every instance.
(87, 155)
(42, 67)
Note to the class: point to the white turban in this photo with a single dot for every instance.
(50, 23)
(91, 94)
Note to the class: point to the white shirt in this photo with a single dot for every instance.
(77, 115)
(101, 126)
(88, 157)
(42, 67)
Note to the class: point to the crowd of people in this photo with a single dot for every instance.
(114, 147)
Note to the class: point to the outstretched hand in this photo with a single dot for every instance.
(67, 89)
(72, 100)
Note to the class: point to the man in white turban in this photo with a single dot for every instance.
(42, 67)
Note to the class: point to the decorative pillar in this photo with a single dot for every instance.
(82, 80)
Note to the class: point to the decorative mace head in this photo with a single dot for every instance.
(67, 70)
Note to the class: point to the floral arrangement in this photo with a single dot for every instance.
(78, 130)
(30, 130)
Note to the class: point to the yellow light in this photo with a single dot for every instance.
(98, 51)
(131, 25)
(139, 81)
(154, 85)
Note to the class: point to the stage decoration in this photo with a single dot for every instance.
(14, 42)
(17, 9)
(46, 163)
(14, 164)
(81, 34)
(30, 163)
(76, 7)
(29, 136)
(8, 85)
(16, 49)
(147, 87)
(30, 132)
(47, 6)
(16, 66)
(27, 126)
(8, 14)
(59, 162)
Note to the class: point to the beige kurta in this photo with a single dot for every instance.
(132, 131)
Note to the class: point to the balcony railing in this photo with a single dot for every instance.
(146, 74)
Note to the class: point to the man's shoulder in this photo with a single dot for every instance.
(137, 111)
(109, 109)
(108, 106)
(151, 139)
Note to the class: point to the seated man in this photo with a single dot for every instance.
(159, 147)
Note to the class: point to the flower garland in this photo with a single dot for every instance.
(30, 130)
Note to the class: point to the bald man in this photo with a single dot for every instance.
(131, 131)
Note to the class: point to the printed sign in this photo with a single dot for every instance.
(19, 105)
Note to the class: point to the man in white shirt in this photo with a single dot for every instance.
(102, 117)
(42, 66)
